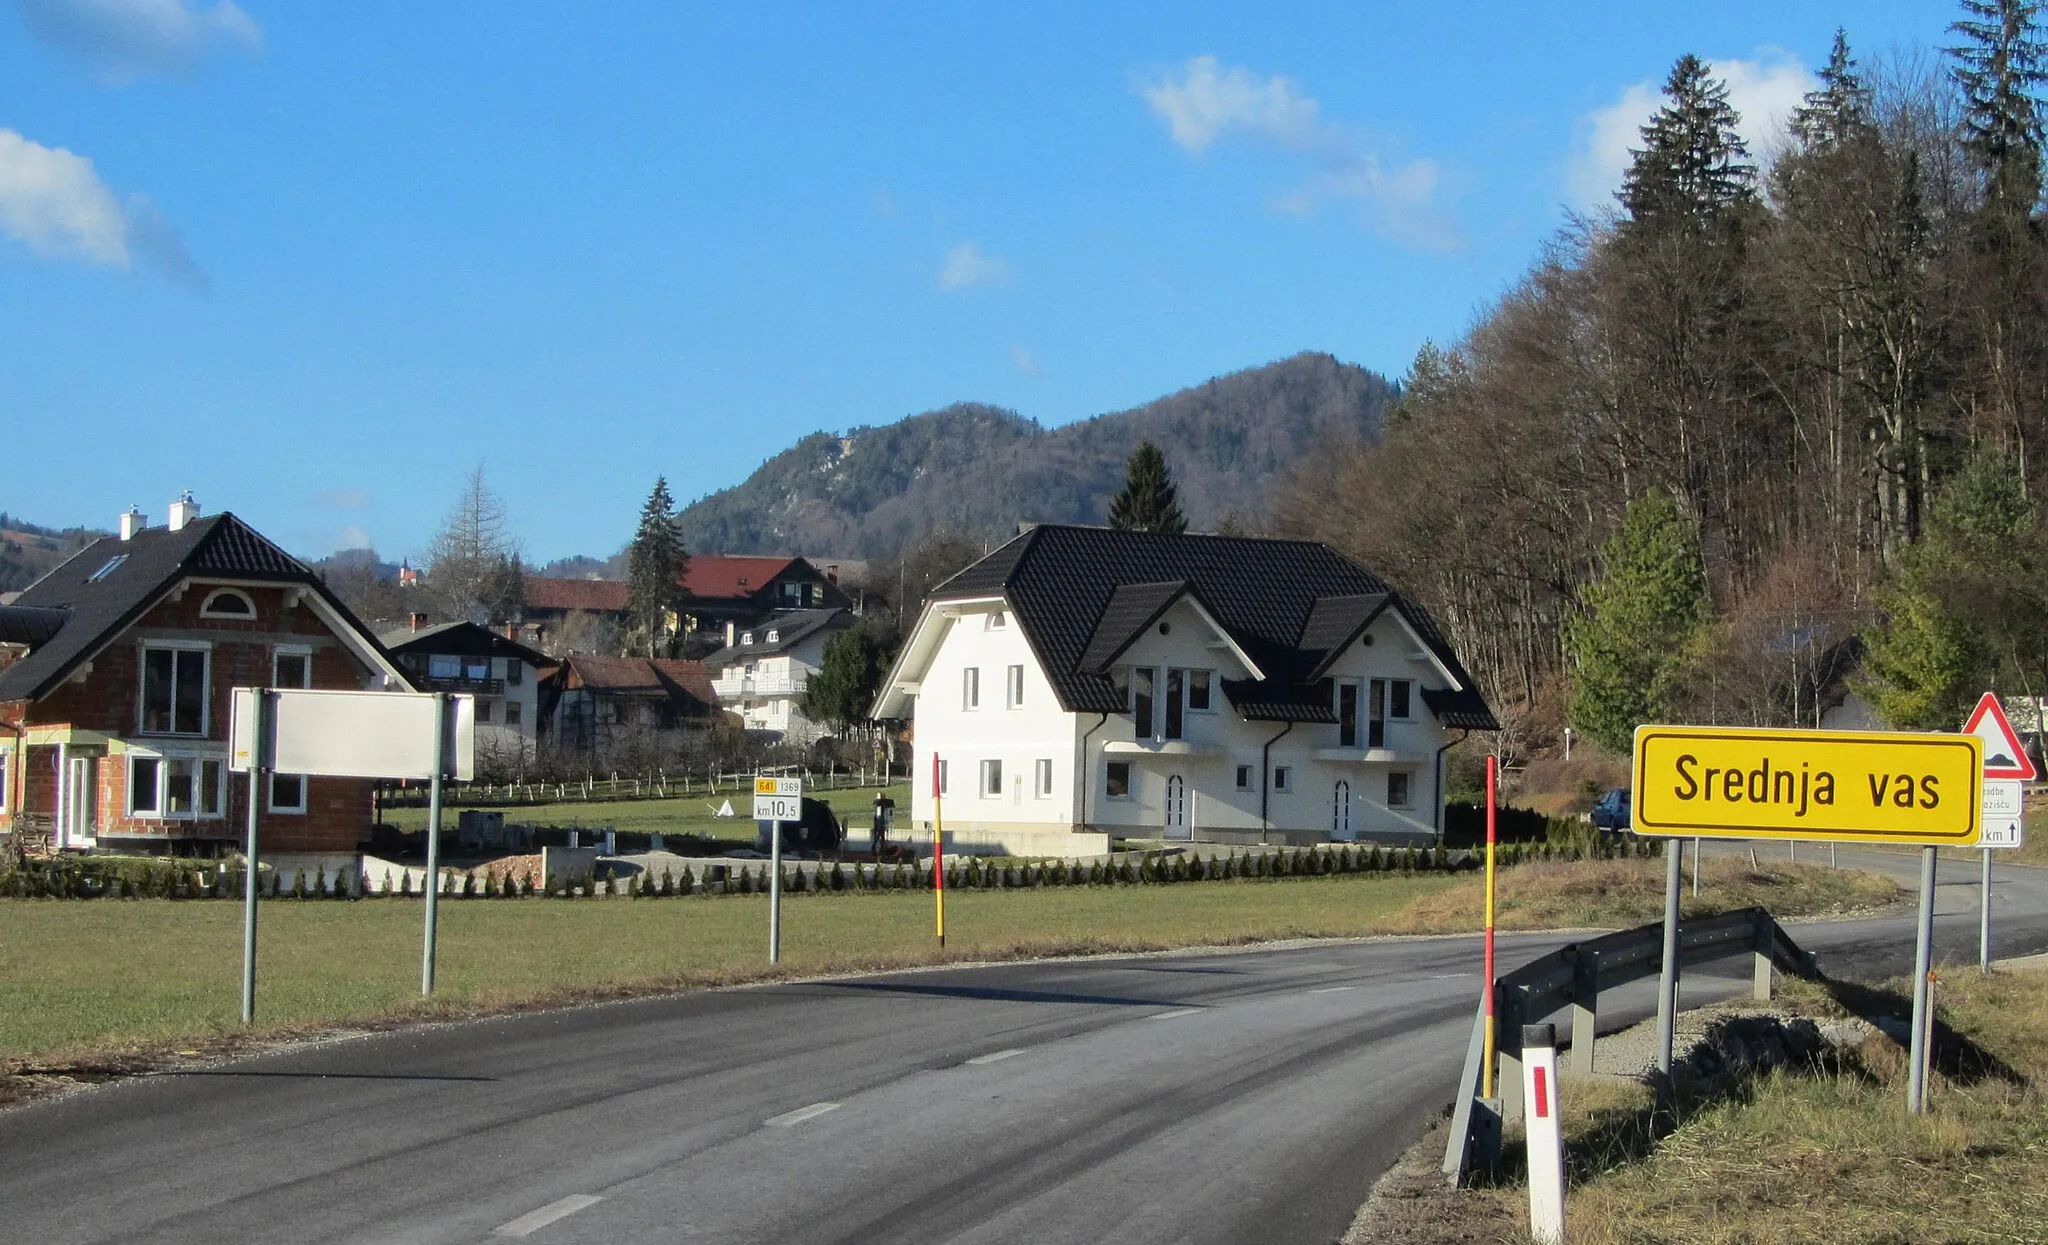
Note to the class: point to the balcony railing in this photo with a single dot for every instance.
(478, 687)
(739, 687)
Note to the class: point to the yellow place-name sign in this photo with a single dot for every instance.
(1848, 786)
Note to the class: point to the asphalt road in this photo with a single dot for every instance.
(1223, 1097)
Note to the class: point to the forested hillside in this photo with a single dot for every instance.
(979, 470)
(1817, 389)
(28, 552)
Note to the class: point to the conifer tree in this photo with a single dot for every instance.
(655, 562)
(1641, 623)
(1147, 502)
(1693, 166)
(849, 674)
(2000, 65)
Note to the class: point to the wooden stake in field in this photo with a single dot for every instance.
(938, 851)
(1492, 770)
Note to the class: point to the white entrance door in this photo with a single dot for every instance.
(81, 803)
(1176, 808)
(1340, 814)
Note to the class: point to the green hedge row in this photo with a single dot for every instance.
(90, 878)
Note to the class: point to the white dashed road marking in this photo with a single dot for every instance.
(996, 1056)
(801, 1114)
(534, 1220)
(1178, 1011)
(1332, 989)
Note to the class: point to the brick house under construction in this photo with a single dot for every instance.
(116, 673)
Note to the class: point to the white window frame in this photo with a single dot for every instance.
(204, 809)
(1414, 694)
(945, 776)
(205, 649)
(1407, 780)
(1041, 785)
(992, 779)
(970, 689)
(1209, 681)
(291, 650)
(997, 620)
(1283, 777)
(1013, 688)
(270, 795)
(207, 608)
(1243, 776)
(6, 776)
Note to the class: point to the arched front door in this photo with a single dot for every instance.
(1340, 813)
(1176, 808)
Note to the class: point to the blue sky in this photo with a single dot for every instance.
(315, 261)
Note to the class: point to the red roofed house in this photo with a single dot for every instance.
(721, 596)
(116, 670)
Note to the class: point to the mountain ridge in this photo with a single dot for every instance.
(979, 470)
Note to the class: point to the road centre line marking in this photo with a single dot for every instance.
(1448, 976)
(534, 1220)
(1178, 1011)
(1332, 989)
(996, 1056)
(799, 1115)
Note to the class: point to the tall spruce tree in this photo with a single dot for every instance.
(654, 569)
(1147, 502)
(1693, 166)
(2001, 63)
(1641, 624)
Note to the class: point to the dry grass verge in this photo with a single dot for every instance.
(1821, 1152)
(1617, 894)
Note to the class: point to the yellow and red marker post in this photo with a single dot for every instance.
(1486, 1075)
(938, 851)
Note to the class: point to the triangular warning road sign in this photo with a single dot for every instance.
(2004, 756)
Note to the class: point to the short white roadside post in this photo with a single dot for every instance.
(1545, 1132)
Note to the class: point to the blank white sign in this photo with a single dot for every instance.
(355, 734)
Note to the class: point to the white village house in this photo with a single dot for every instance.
(1080, 683)
(762, 672)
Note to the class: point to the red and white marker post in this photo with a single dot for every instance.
(1545, 1132)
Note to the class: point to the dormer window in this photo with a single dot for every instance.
(228, 603)
(774, 635)
(746, 637)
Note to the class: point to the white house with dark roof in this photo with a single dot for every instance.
(1082, 683)
(763, 672)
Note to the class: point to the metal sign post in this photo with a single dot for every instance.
(1923, 955)
(260, 715)
(777, 800)
(434, 843)
(1835, 786)
(2004, 803)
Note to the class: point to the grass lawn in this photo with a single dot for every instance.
(74, 981)
(679, 815)
(1806, 1156)
(76, 988)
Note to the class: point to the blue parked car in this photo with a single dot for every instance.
(1612, 812)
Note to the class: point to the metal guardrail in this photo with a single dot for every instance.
(1573, 977)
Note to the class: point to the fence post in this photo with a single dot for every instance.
(1585, 1010)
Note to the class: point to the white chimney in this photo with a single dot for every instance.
(183, 511)
(131, 523)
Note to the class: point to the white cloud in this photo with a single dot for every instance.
(53, 202)
(1204, 102)
(1765, 91)
(966, 266)
(1023, 360)
(121, 40)
(353, 537)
